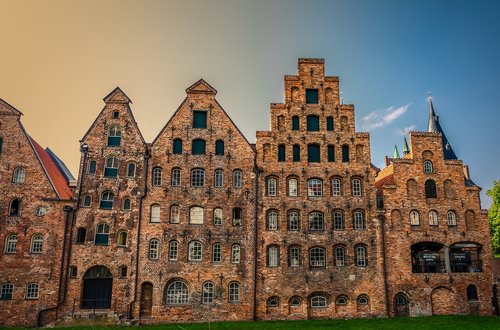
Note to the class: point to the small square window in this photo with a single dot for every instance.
(311, 96)
(123, 271)
(116, 114)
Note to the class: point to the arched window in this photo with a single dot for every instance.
(314, 188)
(316, 221)
(342, 300)
(196, 216)
(217, 216)
(414, 218)
(317, 257)
(273, 256)
(293, 187)
(198, 147)
(472, 293)
(36, 244)
(10, 244)
(356, 187)
(87, 201)
(157, 174)
(155, 213)
(208, 293)
(154, 249)
(294, 256)
(114, 136)
(272, 220)
(235, 254)
(345, 153)
(19, 175)
(195, 251)
(338, 220)
(111, 167)
(176, 177)
(6, 291)
(296, 153)
(295, 302)
(237, 179)
(401, 307)
(318, 301)
(81, 234)
(272, 186)
(126, 204)
(122, 238)
(430, 189)
(336, 187)
(177, 148)
(219, 179)
(237, 216)
(451, 218)
(427, 166)
(32, 291)
(273, 302)
(198, 177)
(313, 153)
(175, 214)
(177, 293)
(293, 221)
(216, 252)
(361, 256)
(173, 250)
(339, 254)
(234, 292)
(295, 123)
(102, 234)
(15, 207)
(281, 153)
(219, 148)
(363, 300)
(107, 200)
(131, 169)
(312, 123)
(41, 211)
(92, 167)
(359, 220)
(433, 218)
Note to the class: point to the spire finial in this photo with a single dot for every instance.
(396, 152)
(433, 124)
(406, 149)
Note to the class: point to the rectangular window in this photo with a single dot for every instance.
(312, 123)
(155, 213)
(73, 272)
(331, 153)
(313, 155)
(336, 189)
(199, 119)
(296, 153)
(295, 123)
(329, 123)
(311, 96)
(281, 153)
(196, 215)
(1, 145)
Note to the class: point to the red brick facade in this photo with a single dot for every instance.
(200, 225)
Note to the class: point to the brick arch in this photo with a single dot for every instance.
(427, 154)
(444, 301)
(411, 188)
(470, 220)
(396, 219)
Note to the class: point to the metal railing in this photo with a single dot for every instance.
(429, 267)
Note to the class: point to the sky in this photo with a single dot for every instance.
(59, 59)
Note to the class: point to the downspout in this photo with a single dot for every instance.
(384, 265)
(144, 194)
(255, 241)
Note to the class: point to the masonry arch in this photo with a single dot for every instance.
(97, 288)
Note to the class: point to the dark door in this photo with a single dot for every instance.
(401, 308)
(97, 288)
(146, 299)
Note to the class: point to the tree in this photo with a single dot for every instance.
(494, 217)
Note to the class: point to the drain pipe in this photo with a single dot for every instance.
(257, 171)
(384, 265)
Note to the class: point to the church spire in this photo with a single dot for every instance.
(396, 152)
(433, 119)
(406, 149)
(435, 127)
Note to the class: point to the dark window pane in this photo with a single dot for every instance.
(219, 148)
(313, 155)
(312, 123)
(177, 146)
(430, 189)
(198, 147)
(101, 239)
(329, 123)
(106, 205)
(116, 114)
(345, 153)
(199, 119)
(1, 145)
(114, 141)
(295, 123)
(281, 153)
(80, 235)
(331, 153)
(92, 167)
(296, 153)
(311, 96)
(110, 172)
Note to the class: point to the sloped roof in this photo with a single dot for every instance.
(9, 108)
(435, 127)
(70, 179)
(202, 87)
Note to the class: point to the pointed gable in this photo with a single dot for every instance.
(201, 87)
(7, 109)
(117, 96)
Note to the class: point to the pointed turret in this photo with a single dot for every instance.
(406, 149)
(435, 127)
(396, 152)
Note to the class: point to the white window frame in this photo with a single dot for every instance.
(293, 187)
(36, 245)
(235, 254)
(314, 188)
(32, 291)
(176, 177)
(218, 216)
(272, 184)
(196, 215)
(237, 179)
(175, 213)
(359, 220)
(195, 251)
(317, 257)
(155, 213)
(197, 177)
(173, 250)
(272, 220)
(433, 218)
(219, 179)
(157, 176)
(428, 167)
(153, 249)
(451, 218)
(414, 218)
(217, 253)
(293, 221)
(336, 187)
(356, 187)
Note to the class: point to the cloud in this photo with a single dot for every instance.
(379, 118)
(406, 130)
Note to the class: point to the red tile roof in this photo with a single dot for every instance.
(58, 181)
(385, 176)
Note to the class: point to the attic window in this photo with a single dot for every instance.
(116, 114)
(199, 119)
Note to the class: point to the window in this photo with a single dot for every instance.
(336, 187)
(114, 136)
(173, 250)
(430, 189)
(318, 302)
(116, 114)
(177, 147)
(312, 123)
(472, 293)
(219, 148)
(361, 256)
(199, 119)
(273, 302)
(296, 153)
(81, 234)
(196, 215)
(451, 218)
(345, 153)
(36, 244)
(177, 293)
(237, 179)
(10, 244)
(73, 272)
(6, 291)
(216, 252)
(342, 300)
(195, 251)
(41, 211)
(219, 179)
(281, 153)
(314, 188)
(295, 123)
(111, 168)
(427, 166)
(338, 220)
(271, 187)
(126, 204)
(15, 208)
(198, 147)
(433, 218)
(19, 175)
(293, 221)
(32, 291)
(198, 177)
(311, 96)
(272, 220)
(356, 187)
(359, 220)
(237, 216)
(176, 177)
(339, 253)
(313, 155)
(87, 201)
(155, 213)
(208, 293)
(1, 145)
(294, 256)
(102, 234)
(130, 170)
(122, 238)
(329, 123)
(235, 254)
(122, 271)
(107, 200)
(293, 187)
(234, 292)
(295, 302)
(316, 221)
(92, 167)
(362, 300)
(331, 153)
(273, 256)
(317, 257)
(414, 218)
(281, 120)
(217, 217)
(175, 214)
(154, 247)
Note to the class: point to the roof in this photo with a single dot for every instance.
(9, 108)
(70, 179)
(55, 175)
(385, 177)
(435, 127)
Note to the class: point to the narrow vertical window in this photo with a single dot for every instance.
(155, 213)
(237, 217)
(281, 153)
(295, 123)
(237, 179)
(427, 166)
(176, 177)
(219, 148)
(15, 208)
(217, 217)
(273, 256)
(345, 153)
(293, 221)
(296, 153)
(414, 218)
(338, 220)
(36, 244)
(216, 252)
(173, 251)
(313, 153)
(157, 176)
(329, 123)
(433, 218)
(293, 187)
(361, 256)
(122, 238)
(294, 256)
(175, 214)
(208, 293)
(92, 167)
(177, 147)
(272, 187)
(87, 201)
(81, 234)
(19, 175)
(219, 179)
(336, 187)
(154, 246)
(331, 153)
(359, 220)
(10, 244)
(130, 170)
(234, 292)
(198, 177)
(272, 220)
(430, 189)
(235, 254)
(451, 218)
(356, 187)
(195, 251)
(339, 256)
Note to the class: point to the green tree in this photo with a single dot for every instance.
(494, 217)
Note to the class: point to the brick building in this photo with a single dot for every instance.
(201, 225)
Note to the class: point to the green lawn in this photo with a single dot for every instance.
(434, 322)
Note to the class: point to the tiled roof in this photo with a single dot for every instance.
(58, 180)
(385, 176)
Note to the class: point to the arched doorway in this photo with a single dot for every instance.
(401, 306)
(97, 288)
(146, 299)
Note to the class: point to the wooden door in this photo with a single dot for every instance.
(146, 299)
